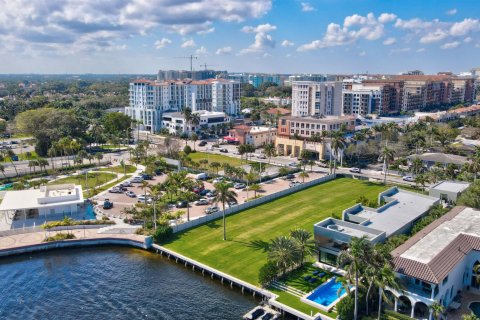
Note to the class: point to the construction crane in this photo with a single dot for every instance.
(190, 57)
(206, 65)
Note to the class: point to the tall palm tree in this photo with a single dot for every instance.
(437, 310)
(353, 261)
(224, 194)
(305, 243)
(337, 143)
(255, 188)
(269, 150)
(388, 156)
(145, 186)
(285, 252)
(385, 278)
(422, 179)
(194, 138)
(303, 175)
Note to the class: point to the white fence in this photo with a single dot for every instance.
(250, 204)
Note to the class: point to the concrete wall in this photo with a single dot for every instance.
(251, 204)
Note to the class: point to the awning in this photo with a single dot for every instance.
(228, 138)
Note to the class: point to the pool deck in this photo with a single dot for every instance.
(467, 297)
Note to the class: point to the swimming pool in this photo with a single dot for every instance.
(326, 295)
(475, 307)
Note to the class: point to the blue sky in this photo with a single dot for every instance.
(284, 36)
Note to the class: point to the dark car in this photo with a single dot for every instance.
(107, 204)
(290, 176)
(257, 313)
(202, 143)
(223, 150)
(146, 176)
(198, 189)
(158, 172)
(204, 192)
(182, 204)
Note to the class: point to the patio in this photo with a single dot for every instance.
(467, 297)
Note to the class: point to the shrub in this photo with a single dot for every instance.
(187, 150)
(59, 237)
(268, 272)
(346, 307)
(70, 222)
(162, 234)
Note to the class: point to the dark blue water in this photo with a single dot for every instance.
(111, 283)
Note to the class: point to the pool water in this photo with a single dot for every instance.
(475, 307)
(89, 214)
(327, 293)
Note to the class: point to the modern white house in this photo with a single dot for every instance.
(400, 211)
(175, 121)
(35, 206)
(438, 264)
(448, 190)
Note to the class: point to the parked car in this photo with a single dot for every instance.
(218, 180)
(212, 209)
(223, 150)
(182, 204)
(294, 184)
(290, 176)
(292, 164)
(408, 179)
(198, 189)
(130, 194)
(212, 193)
(232, 202)
(202, 143)
(141, 198)
(355, 170)
(202, 176)
(257, 313)
(125, 184)
(158, 172)
(204, 192)
(239, 186)
(115, 190)
(261, 156)
(146, 176)
(137, 179)
(202, 202)
(107, 204)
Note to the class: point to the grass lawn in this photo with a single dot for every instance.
(295, 302)
(295, 279)
(197, 156)
(119, 169)
(32, 155)
(250, 231)
(94, 179)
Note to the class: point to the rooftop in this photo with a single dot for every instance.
(326, 119)
(440, 157)
(432, 253)
(451, 186)
(46, 196)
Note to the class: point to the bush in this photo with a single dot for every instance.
(346, 307)
(70, 222)
(187, 150)
(59, 237)
(268, 272)
(162, 234)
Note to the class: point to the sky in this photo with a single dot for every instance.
(273, 36)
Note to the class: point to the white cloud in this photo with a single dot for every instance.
(189, 44)
(389, 41)
(67, 26)
(224, 51)
(263, 40)
(387, 17)
(434, 36)
(451, 12)
(362, 54)
(286, 43)
(421, 50)
(306, 7)
(412, 24)
(401, 50)
(463, 27)
(467, 40)
(202, 51)
(204, 32)
(162, 43)
(450, 45)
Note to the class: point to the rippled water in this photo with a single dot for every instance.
(111, 283)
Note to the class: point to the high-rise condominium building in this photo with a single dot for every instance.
(360, 100)
(150, 99)
(316, 98)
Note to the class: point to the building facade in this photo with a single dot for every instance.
(316, 98)
(209, 120)
(360, 101)
(148, 100)
(255, 135)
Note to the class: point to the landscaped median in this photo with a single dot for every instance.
(249, 232)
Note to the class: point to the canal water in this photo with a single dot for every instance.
(111, 283)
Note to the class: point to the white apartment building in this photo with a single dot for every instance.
(360, 100)
(176, 124)
(316, 98)
(150, 99)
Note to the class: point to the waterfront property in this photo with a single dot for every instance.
(397, 212)
(23, 208)
(326, 295)
(439, 264)
(448, 190)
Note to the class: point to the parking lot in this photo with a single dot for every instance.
(122, 201)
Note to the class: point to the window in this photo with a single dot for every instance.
(445, 280)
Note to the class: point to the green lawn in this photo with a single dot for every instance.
(197, 156)
(32, 155)
(119, 169)
(94, 179)
(249, 232)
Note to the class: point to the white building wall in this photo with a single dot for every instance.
(316, 98)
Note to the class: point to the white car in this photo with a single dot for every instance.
(355, 170)
(218, 180)
(137, 179)
(202, 202)
(212, 209)
(292, 164)
(239, 186)
(294, 184)
(261, 156)
(408, 179)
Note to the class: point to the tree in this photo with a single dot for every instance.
(2, 169)
(224, 195)
(353, 261)
(422, 179)
(116, 123)
(303, 175)
(268, 272)
(388, 156)
(194, 138)
(269, 150)
(437, 309)
(417, 166)
(470, 316)
(285, 252)
(385, 278)
(305, 243)
(255, 188)
(337, 143)
(215, 166)
(99, 157)
(189, 196)
(283, 171)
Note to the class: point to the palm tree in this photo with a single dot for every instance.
(422, 179)
(10, 154)
(43, 163)
(337, 143)
(417, 166)
(224, 194)
(437, 310)
(145, 186)
(189, 196)
(285, 252)
(255, 188)
(99, 157)
(155, 192)
(474, 167)
(305, 243)
(215, 166)
(385, 278)
(187, 114)
(353, 261)
(2, 169)
(241, 150)
(303, 175)
(388, 156)
(269, 150)
(194, 138)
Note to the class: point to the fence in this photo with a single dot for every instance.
(250, 204)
